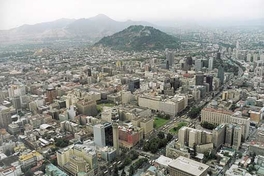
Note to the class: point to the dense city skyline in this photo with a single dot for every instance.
(14, 13)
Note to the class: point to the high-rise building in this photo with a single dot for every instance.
(255, 57)
(221, 74)
(219, 136)
(77, 158)
(237, 137)
(87, 107)
(52, 170)
(103, 134)
(199, 78)
(218, 56)
(175, 83)
(183, 166)
(189, 60)
(249, 57)
(5, 117)
(218, 117)
(16, 102)
(209, 80)
(170, 57)
(211, 63)
(229, 135)
(116, 137)
(89, 72)
(134, 84)
(237, 49)
(188, 136)
(198, 65)
(51, 94)
(167, 65)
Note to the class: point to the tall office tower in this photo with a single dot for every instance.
(170, 57)
(89, 72)
(16, 103)
(87, 107)
(218, 56)
(182, 135)
(189, 60)
(209, 80)
(103, 134)
(199, 78)
(261, 56)
(237, 137)
(134, 84)
(193, 136)
(249, 57)
(198, 64)
(175, 83)
(167, 65)
(211, 63)
(237, 49)
(229, 135)
(5, 117)
(221, 74)
(116, 136)
(219, 136)
(51, 94)
(255, 57)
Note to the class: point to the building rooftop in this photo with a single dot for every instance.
(55, 169)
(163, 160)
(218, 111)
(189, 166)
(29, 156)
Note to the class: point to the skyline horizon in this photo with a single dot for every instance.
(15, 13)
(165, 23)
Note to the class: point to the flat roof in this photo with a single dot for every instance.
(189, 166)
(163, 160)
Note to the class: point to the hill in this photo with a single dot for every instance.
(137, 38)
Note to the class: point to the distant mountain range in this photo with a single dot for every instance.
(94, 28)
(90, 29)
(137, 38)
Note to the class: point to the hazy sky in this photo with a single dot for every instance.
(14, 13)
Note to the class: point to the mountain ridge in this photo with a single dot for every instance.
(90, 29)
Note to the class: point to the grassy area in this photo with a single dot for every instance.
(177, 127)
(158, 122)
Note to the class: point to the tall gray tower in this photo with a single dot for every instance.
(116, 137)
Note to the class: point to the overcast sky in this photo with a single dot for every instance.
(14, 13)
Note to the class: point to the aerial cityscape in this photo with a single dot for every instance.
(153, 89)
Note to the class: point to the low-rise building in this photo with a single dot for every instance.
(187, 167)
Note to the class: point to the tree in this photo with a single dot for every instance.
(239, 155)
(8, 152)
(194, 112)
(133, 155)
(169, 137)
(115, 171)
(233, 107)
(123, 173)
(161, 135)
(131, 171)
(208, 125)
(153, 147)
(127, 161)
(61, 142)
(29, 173)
